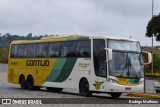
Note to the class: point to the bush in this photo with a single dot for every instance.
(156, 75)
(4, 51)
(156, 62)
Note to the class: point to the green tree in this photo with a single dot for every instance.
(153, 27)
(156, 61)
(29, 35)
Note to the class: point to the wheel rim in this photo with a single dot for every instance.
(22, 82)
(85, 87)
(30, 83)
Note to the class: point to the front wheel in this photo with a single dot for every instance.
(84, 88)
(115, 95)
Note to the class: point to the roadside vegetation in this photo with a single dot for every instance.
(4, 50)
(156, 65)
(7, 38)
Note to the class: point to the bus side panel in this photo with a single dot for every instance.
(82, 67)
(13, 71)
(38, 68)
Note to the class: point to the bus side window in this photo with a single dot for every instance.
(99, 56)
(55, 49)
(22, 51)
(69, 49)
(14, 51)
(83, 49)
(31, 50)
(42, 50)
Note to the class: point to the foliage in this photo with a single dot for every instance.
(4, 51)
(155, 75)
(156, 62)
(153, 27)
(6, 39)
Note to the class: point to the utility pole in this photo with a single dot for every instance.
(152, 37)
(152, 55)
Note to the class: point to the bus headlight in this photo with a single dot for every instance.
(141, 82)
(112, 80)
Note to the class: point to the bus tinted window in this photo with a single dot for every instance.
(14, 51)
(31, 50)
(69, 49)
(55, 49)
(83, 49)
(99, 55)
(42, 50)
(22, 51)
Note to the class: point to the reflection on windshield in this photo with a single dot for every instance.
(124, 45)
(127, 60)
(126, 64)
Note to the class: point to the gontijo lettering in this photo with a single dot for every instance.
(37, 62)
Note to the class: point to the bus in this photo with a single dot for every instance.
(96, 64)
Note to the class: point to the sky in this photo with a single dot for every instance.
(122, 18)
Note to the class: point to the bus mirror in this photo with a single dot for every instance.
(109, 54)
(147, 57)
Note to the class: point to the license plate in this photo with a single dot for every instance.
(127, 88)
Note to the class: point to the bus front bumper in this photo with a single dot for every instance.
(113, 87)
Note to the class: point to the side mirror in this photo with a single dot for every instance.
(148, 57)
(109, 54)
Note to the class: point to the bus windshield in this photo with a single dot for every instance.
(127, 59)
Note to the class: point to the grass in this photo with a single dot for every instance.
(154, 75)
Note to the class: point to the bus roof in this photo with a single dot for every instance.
(68, 38)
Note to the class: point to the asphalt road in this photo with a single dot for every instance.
(8, 90)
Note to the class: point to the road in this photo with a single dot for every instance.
(8, 90)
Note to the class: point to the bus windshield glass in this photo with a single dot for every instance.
(127, 59)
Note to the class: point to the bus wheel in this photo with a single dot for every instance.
(157, 91)
(51, 89)
(37, 88)
(84, 88)
(22, 82)
(115, 95)
(30, 83)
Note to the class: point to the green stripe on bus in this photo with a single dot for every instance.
(67, 69)
(57, 68)
(79, 38)
(133, 81)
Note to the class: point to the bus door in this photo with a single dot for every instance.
(100, 64)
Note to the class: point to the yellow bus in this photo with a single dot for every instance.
(106, 64)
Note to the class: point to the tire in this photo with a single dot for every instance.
(157, 91)
(22, 82)
(37, 88)
(84, 88)
(51, 89)
(30, 83)
(115, 95)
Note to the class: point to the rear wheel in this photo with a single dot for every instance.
(115, 95)
(51, 89)
(84, 88)
(30, 83)
(22, 82)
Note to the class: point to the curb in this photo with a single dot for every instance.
(145, 95)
